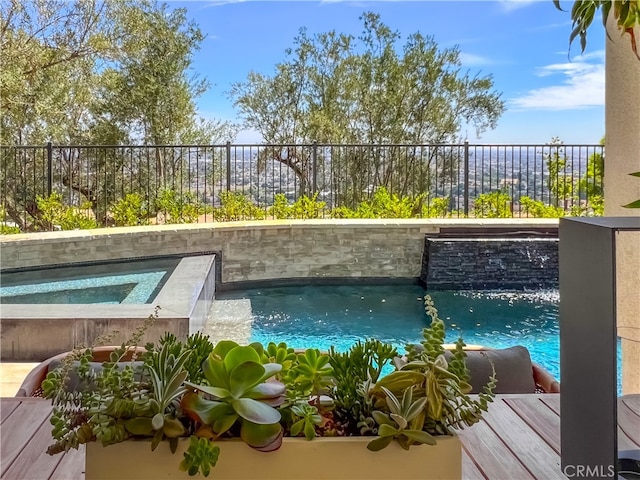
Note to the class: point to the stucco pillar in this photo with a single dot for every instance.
(622, 135)
(622, 123)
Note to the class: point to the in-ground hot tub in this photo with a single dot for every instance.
(70, 305)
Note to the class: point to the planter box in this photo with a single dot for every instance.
(297, 459)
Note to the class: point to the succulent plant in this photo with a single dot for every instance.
(403, 421)
(238, 391)
(209, 393)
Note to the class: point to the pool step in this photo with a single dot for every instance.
(229, 320)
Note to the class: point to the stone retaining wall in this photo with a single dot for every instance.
(257, 251)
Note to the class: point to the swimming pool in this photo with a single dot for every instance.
(130, 282)
(46, 311)
(322, 316)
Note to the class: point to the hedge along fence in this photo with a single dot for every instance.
(48, 187)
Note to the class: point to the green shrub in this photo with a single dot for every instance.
(130, 211)
(495, 204)
(537, 209)
(8, 229)
(303, 208)
(55, 213)
(179, 208)
(594, 208)
(596, 202)
(383, 205)
(237, 206)
(280, 209)
(437, 208)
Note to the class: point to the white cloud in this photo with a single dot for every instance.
(217, 3)
(581, 87)
(510, 5)
(471, 60)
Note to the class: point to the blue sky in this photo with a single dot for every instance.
(522, 43)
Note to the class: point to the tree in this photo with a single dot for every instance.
(336, 88)
(98, 73)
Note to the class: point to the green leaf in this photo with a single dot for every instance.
(267, 437)
(173, 428)
(255, 411)
(387, 431)
(139, 426)
(635, 204)
(381, 418)
(239, 355)
(245, 376)
(309, 431)
(215, 372)
(266, 390)
(420, 436)
(379, 443)
(157, 421)
(204, 410)
(416, 408)
(296, 428)
(225, 422)
(400, 421)
(172, 390)
(270, 369)
(215, 391)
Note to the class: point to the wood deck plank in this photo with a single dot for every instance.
(34, 463)
(495, 460)
(19, 428)
(632, 401)
(624, 442)
(531, 449)
(470, 470)
(540, 418)
(71, 466)
(7, 406)
(629, 423)
(552, 401)
(517, 439)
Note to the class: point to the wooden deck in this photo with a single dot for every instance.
(519, 439)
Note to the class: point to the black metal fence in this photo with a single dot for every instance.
(94, 177)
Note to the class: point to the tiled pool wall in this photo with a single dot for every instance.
(249, 252)
(490, 263)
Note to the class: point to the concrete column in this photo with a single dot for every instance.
(622, 131)
(622, 123)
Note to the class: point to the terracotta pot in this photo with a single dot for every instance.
(297, 459)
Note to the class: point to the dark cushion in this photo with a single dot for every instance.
(514, 371)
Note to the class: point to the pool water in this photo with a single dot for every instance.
(123, 282)
(324, 316)
(112, 289)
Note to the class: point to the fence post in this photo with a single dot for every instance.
(49, 168)
(314, 159)
(228, 166)
(466, 178)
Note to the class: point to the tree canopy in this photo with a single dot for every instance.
(100, 72)
(336, 88)
(95, 72)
